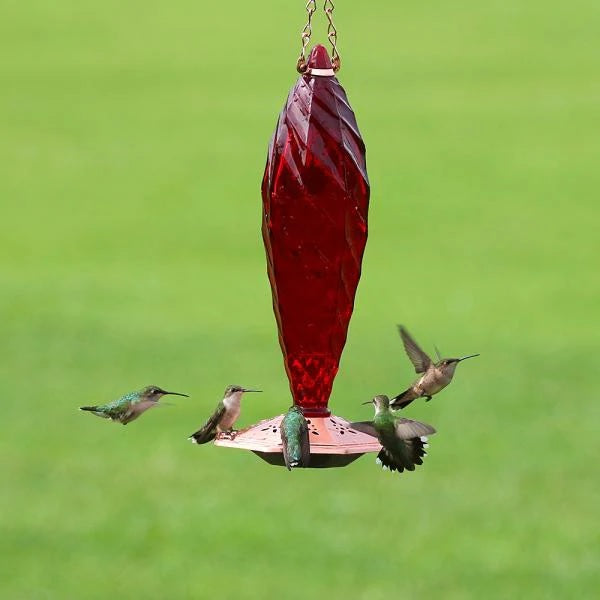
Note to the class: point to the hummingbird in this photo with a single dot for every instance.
(225, 415)
(404, 441)
(294, 439)
(132, 405)
(436, 376)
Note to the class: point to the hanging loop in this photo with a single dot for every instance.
(336, 62)
(311, 7)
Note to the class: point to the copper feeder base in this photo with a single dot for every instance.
(333, 442)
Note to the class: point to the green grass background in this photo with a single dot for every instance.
(132, 144)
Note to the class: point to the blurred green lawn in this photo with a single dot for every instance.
(132, 143)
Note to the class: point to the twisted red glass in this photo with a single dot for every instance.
(315, 200)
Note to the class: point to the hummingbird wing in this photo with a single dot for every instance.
(304, 444)
(284, 446)
(407, 429)
(365, 427)
(418, 358)
(135, 410)
(209, 430)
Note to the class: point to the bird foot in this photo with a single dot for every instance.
(428, 398)
(229, 435)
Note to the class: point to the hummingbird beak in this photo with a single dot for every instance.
(175, 394)
(367, 402)
(245, 390)
(465, 357)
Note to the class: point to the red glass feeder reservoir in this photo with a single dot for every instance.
(315, 194)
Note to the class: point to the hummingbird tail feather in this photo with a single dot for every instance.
(389, 462)
(402, 400)
(95, 410)
(295, 462)
(202, 437)
(412, 455)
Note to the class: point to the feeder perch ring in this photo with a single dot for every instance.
(333, 441)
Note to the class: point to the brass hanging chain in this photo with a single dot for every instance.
(311, 7)
(336, 62)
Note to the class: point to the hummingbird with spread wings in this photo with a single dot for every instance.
(404, 441)
(224, 417)
(130, 406)
(434, 376)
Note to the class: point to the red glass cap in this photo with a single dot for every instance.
(319, 59)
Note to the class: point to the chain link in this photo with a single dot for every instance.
(329, 7)
(311, 7)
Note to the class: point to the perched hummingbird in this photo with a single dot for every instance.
(436, 376)
(403, 440)
(225, 415)
(294, 438)
(130, 406)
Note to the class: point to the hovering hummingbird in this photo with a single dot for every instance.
(436, 376)
(403, 440)
(130, 406)
(294, 438)
(225, 415)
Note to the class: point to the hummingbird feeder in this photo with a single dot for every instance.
(315, 193)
